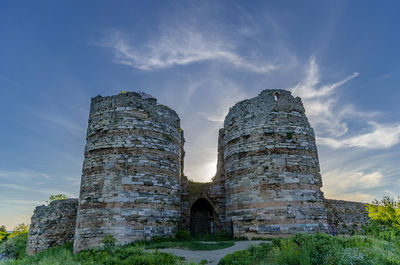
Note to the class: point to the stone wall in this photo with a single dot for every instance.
(52, 225)
(271, 167)
(130, 186)
(346, 217)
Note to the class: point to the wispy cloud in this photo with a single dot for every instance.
(330, 119)
(320, 102)
(23, 202)
(228, 94)
(24, 174)
(352, 185)
(179, 46)
(63, 122)
(345, 180)
(29, 188)
(380, 137)
(195, 34)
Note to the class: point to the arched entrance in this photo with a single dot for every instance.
(201, 218)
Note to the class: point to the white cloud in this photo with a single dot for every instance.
(30, 188)
(330, 120)
(381, 137)
(347, 180)
(23, 202)
(179, 46)
(23, 173)
(348, 185)
(356, 196)
(64, 123)
(320, 102)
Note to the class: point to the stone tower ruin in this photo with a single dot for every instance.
(267, 182)
(271, 167)
(131, 172)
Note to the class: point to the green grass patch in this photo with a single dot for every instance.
(319, 249)
(121, 255)
(191, 245)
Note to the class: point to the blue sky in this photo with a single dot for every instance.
(199, 58)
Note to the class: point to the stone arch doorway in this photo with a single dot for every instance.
(201, 218)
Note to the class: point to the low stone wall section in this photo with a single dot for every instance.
(52, 225)
(346, 217)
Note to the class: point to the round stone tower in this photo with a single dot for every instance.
(271, 167)
(131, 172)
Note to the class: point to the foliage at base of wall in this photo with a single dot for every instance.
(131, 254)
(14, 247)
(318, 249)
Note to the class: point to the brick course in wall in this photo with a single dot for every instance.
(52, 225)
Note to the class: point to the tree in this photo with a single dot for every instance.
(19, 229)
(385, 212)
(57, 197)
(3, 233)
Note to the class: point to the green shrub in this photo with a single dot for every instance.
(183, 234)
(19, 229)
(250, 256)
(57, 197)
(319, 249)
(385, 219)
(109, 242)
(223, 235)
(14, 247)
(125, 255)
(385, 212)
(3, 236)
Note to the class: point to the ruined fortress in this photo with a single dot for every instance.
(268, 181)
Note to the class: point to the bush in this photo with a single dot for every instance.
(183, 235)
(385, 212)
(223, 235)
(3, 236)
(125, 255)
(385, 219)
(57, 197)
(109, 242)
(19, 229)
(14, 247)
(318, 249)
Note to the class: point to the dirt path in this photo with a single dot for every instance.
(212, 256)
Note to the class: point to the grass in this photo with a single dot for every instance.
(134, 253)
(183, 240)
(380, 247)
(319, 249)
(191, 245)
(121, 255)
